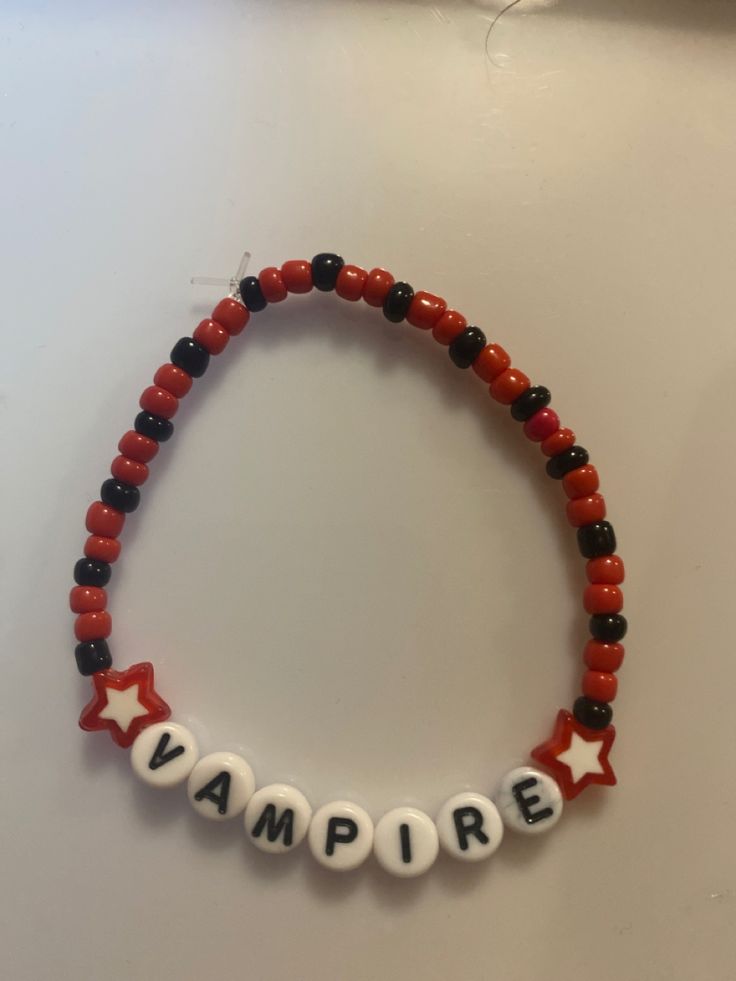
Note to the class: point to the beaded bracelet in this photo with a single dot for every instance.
(278, 817)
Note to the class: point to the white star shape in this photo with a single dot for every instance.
(582, 757)
(123, 706)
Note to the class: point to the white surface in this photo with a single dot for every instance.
(421, 838)
(349, 566)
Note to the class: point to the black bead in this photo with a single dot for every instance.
(252, 295)
(609, 628)
(325, 269)
(118, 494)
(397, 302)
(91, 572)
(155, 427)
(190, 356)
(532, 400)
(596, 539)
(592, 714)
(467, 346)
(558, 466)
(93, 656)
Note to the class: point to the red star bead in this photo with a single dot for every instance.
(124, 703)
(577, 756)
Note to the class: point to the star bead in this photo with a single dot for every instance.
(577, 756)
(124, 703)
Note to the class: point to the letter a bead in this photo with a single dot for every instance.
(220, 785)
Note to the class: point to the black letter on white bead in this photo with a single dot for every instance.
(527, 803)
(274, 827)
(160, 756)
(208, 792)
(340, 831)
(405, 843)
(465, 829)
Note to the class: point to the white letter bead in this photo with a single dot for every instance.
(470, 827)
(406, 842)
(220, 786)
(529, 801)
(163, 754)
(277, 818)
(341, 835)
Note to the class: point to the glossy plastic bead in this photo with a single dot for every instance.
(529, 801)
(87, 599)
(164, 754)
(558, 442)
(174, 380)
(104, 520)
(124, 497)
(466, 347)
(591, 713)
(491, 362)
(398, 300)
(101, 548)
(605, 568)
(450, 324)
(425, 310)
(153, 426)
(231, 315)
(599, 656)
(377, 285)
(351, 282)
(596, 539)
(129, 471)
(272, 284)
(220, 785)
(509, 385)
(296, 275)
(138, 447)
(608, 627)
(96, 625)
(340, 835)
(158, 402)
(190, 356)
(92, 572)
(92, 656)
(541, 425)
(212, 336)
(325, 269)
(469, 827)
(601, 598)
(569, 459)
(585, 510)
(530, 402)
(405, 842)
(581, 482)
(252, 295)
(600, 685)
(277, 818)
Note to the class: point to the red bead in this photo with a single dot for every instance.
(607, 569)
(450, 324)
(93, 626)
(603, 657)
(581, 482)
(541, 425)
(101, 548)
(104, 520)
(491, 362)
(138, 447)
(585, 510)
(272, 285)
(509, 385)
(297, 276)
(159, 402)
(377, 285)
(558, 442)
(211, 336)
(231, 315)
(351, 282)
(602, 598)
(425, 310)
(129, 471)
(600, 685)
(87, 599)
(173, 379)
